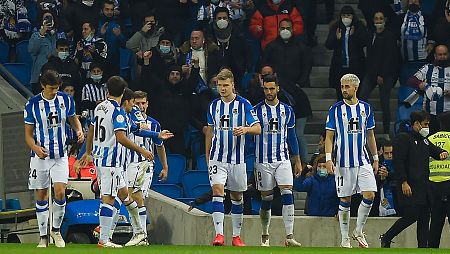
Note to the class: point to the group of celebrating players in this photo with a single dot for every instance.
(121, 138)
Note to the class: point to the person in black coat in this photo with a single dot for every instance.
(383, 61)
(290, 59)
(170, 99)
(411, 157)
(347, 38)
(233, 52)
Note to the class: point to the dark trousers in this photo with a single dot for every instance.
(440, 209)
(411, 214)
(368, 84)
(434, 124)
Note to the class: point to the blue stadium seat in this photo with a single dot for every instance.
(22, 54)
(21, 71)
(192, 179)
(12, 204)
(169, 190)
(256, 205)
(4, 52)
(200, 189)
(125, 63)
(177, 166)
(1, 204)
(201, 163)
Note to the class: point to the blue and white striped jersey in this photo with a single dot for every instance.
(49, 118)
(350, 124)
(94, 93)
(108, 118)
(272, 145)
(137, 117)
(224, 117)
(438, 80)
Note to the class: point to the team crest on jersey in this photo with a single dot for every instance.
(253, 113)
(120, 119)
(235, 111)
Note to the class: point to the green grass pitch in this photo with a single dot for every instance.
(93, 249)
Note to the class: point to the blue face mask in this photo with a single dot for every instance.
(322, 172)
(164, 49)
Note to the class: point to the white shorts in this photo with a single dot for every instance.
(354, 180)
(135, 173)
(268, 175)
(112, 180)
(233, 175)
(41, 171)
(148, 177)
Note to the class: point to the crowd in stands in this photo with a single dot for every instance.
(172, 49)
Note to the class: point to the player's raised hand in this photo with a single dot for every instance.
(147, 154)
(41, 152)
(163, 174)
(238, 131)
(330, 167)
(165, 134)
(80, 137)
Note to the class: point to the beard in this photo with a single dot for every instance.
(270, 97)
(347, 96)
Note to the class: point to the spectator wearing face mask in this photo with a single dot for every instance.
(347, 38)
(264, 23)
(322, 199)
(233, 52)
(383, 63)
(110, 31)
(94, 91)
(42, 45)
(164, 55)
(68, 70)
(77, 13)
(148, 36)
(90, 49)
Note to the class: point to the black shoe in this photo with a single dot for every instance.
(385, 243)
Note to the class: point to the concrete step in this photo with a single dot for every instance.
(299, 195)
(299, 204)
(299, 212)
(325, 104)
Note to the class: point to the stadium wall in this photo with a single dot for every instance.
(170, 223)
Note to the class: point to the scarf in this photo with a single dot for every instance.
(223, 35)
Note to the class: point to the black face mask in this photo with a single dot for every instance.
(414, 8)
(442, 63)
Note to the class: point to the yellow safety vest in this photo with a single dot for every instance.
(440, 170)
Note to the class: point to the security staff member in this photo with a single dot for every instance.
(440, 182)
(411, 162)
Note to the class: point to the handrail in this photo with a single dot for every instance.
(25, 92)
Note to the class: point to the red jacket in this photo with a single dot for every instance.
(268, 17)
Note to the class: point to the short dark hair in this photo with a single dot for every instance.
(380, 142)
(51, 78)
(419, 116)
(287, 20)
(116, 86)
(107, 2)
(444, 121)
(128, 94)
(270, 78)
(221, 9)
(96, 65)
(62, 42)
(140, 95)
(90, 23)
(387, 143)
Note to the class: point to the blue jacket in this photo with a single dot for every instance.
(322, 198)
(114, 42)
(40, 50)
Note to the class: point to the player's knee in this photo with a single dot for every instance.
(266, 202)
(266, 193)
(287, 198)
(217, 190)
(235, 195)
(369, 195)
(346, 199)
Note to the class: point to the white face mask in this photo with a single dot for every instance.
(88, 3)
(276, 2)
(222, 23)
(346, 21)
(285, 34)
(424, 132)
(63, 55)
(380, 26)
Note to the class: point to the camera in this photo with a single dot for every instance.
(48, 20)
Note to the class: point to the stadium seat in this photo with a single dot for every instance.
(169, 190)
(177, 166)
(4, 52)
(125, 63)
(192, 179)
(201, 163)
(1, 204)
(12, 204)
(21, 71)
(256, 205)
(22, 54)
(200, 189)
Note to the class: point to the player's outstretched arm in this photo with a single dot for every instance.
(161, 150)
(373, 149)
(29, 140)
(122, 138)
(328, 150)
